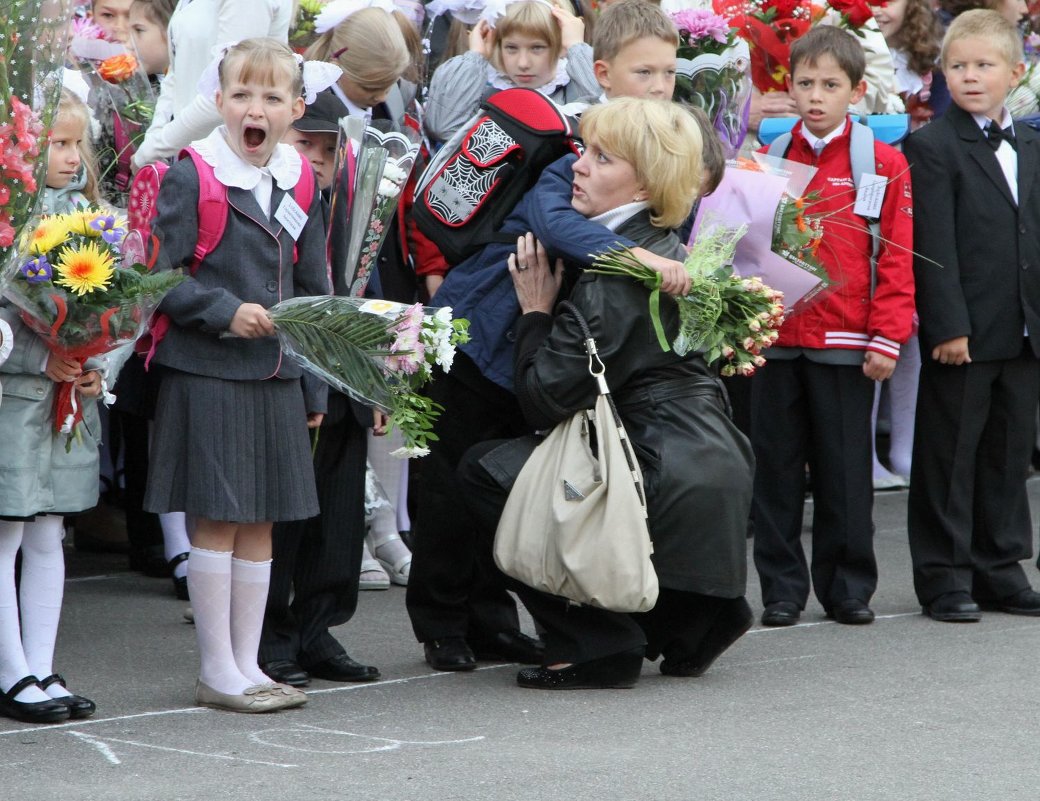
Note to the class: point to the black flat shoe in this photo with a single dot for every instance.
(617, 671)
(180, 585)
(509, 646)
(79, 707)
(31, 711)
(285, 671)
(451, 653)
(342, 668)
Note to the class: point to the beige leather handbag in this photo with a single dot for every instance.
(574, 524)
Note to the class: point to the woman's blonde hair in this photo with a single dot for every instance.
(527, 18)
(73, 110)
(662, 142)
(264, 60)
(368, 46)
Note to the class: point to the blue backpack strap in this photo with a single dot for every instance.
(861, 152)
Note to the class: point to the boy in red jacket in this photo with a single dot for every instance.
(811, 402)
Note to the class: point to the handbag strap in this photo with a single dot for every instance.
(598, 371)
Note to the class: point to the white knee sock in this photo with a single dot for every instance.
(209, 583)
(13, 667)
(175, 539)
(43, 586)
(249, 585)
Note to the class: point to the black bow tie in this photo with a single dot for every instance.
(995, 135)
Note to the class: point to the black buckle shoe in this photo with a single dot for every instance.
(50, 711)
(79, 707)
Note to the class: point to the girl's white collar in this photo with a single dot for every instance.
(230, 169)
(499, 80)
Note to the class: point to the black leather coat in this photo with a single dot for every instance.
(697, 466)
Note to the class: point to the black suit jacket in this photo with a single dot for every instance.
(966, 219)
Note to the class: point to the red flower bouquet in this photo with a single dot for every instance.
(769, 27)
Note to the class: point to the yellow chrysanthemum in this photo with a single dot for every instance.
(50, 233)
(84, 269)
(78, 222)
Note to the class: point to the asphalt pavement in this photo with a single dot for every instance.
(904, 709)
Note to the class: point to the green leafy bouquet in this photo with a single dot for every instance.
(378, 352)
(723, 315)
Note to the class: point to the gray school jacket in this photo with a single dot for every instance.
(252, 264)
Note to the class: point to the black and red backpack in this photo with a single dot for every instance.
(479, 176)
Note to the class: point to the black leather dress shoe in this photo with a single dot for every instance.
(285, 671)
(617, 671)
(509, 646)
(79, 707)
(851, 612)
(180, 583)
(451, 653)
(1024, 602)
(342, 668)
(953, 607)
(781, 613)
(50, 711)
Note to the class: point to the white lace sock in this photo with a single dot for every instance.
(13, 667)
(249, 585)
(175, 539)
(209, 583)
(43, 587)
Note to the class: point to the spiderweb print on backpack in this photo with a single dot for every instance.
(489, 143)
(460, 189)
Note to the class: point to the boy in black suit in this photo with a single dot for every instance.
(977, 230)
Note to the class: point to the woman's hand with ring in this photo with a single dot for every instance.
(537, 286)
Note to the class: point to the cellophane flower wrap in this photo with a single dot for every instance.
(713, 73)
(378, 352)
(770, 28)
(32, 55)
(370, 174)
(123, 100)
(767, 196)
(724, 316)
(78, 292)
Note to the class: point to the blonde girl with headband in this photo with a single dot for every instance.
(528, 43)
(182, 114)
(230, 445)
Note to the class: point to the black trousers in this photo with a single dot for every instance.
(317, 562)
(676, 627)
(450, 592)
(803, 413)
(968, 514)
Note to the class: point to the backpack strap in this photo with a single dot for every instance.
(212, 211)
(861, 153)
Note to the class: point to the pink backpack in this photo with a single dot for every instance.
(212, 217)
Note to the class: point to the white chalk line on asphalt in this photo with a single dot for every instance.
(197, 710)
(811, 623)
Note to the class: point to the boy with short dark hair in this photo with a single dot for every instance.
(977, 228)
(811, 403)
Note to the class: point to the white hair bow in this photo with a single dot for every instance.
(338, 10)
(465, 11)
(494, 10)
(317, 75)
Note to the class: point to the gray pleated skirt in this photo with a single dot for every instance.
(235, 451)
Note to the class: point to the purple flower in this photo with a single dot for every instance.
(37, 270)
(701, 23)
(110, 232)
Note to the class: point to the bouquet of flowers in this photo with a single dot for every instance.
(713, 73)
(723, 315)
(769, 27)
(855, 13)
(32, 52)
(370, 172)
(303, 34)
(123, 94)
(75, 292)
(378, 352)
(767, 195)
